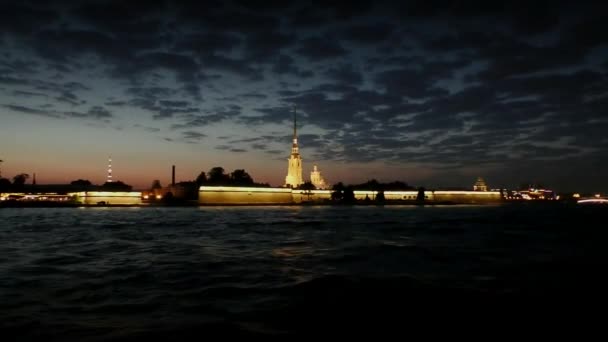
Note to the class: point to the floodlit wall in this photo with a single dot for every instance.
(469, 197)
(406, 195)
(300, 196)
(243, 195)
(109, 197)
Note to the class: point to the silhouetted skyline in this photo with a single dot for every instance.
(435, 93)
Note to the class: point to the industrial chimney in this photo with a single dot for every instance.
(173, 175)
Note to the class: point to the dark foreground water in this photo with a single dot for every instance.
(170, 273)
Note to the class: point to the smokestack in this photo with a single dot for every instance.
(173, 175)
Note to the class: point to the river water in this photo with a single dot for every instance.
(136, 273)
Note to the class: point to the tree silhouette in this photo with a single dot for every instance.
(349, 195)
(20, 179)
(241, 178)
(81, 182)
(116, 186)
(420, 197)
(380, 196)
(307, 186)
(5, 184)
(201, 179)
(216, 176)
(337, 193)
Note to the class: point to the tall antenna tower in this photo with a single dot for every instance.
(109, 170)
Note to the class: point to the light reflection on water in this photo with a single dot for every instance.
(113, 271)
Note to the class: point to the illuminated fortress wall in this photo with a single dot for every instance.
(242, 195)
(300, 196)
(406, 195)
(209, 195)
(468, 197)
(109, 197)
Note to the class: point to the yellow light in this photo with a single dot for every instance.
(597, 196)
(146, 196)
(242, 189)
(576, 195)
(106, 194)
(159, 196)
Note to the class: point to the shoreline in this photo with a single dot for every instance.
(48, 204)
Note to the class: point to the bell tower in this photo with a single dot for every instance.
(294, 166)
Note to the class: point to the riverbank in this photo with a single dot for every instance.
(55, 204)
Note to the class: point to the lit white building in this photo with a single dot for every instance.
(480, 185)
(316, 179)
(294, 169)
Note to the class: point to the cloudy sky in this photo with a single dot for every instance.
(433, 93)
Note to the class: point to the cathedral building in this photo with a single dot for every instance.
(316, 179)
(294, 169)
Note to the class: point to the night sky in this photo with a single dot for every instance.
(434, 93)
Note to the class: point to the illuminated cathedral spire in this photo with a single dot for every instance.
(294, 166)
(294, 147)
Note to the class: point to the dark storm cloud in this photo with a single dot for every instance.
(99, 112)
(117, 16)
(95, 112)
(167, 103)
(18, 18)
(156, 100)
(270, 115)
(185, 68)
(245, 140)
(345, 74)
(368, 34)
(12, 80)
(439, 82)
(408, 82)
(192, 135)
(254, 96)
(207, 43)
(62, 45)
(238, 150)
(69, 98)
(264, 45)
(28, 94)
(209, 117)
(147, 129)
(33, 111)
(285, 64)
(320, 48)
(75, 86)
(116, 103)
(18, 66)
(151, 92)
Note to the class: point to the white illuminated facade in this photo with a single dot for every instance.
(316, 179)
(480, 185)
(294, 168)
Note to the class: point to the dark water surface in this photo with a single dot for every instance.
(168, 273)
